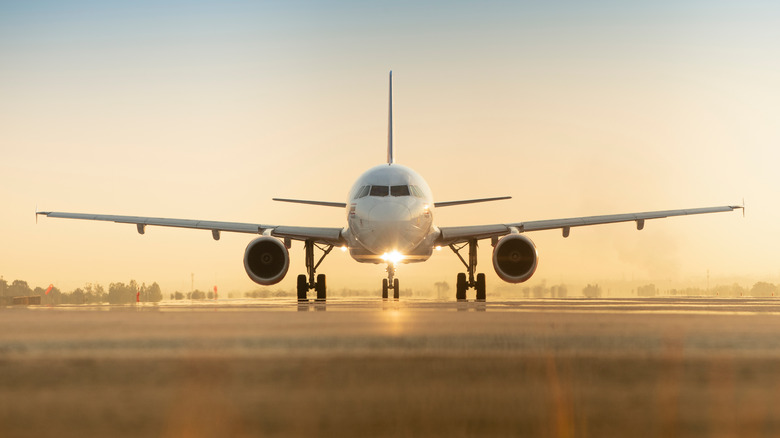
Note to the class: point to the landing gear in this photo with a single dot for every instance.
(307, 281)
(390, 282)
(480, 287)
(463, 283)
(321, 288)
(460, 287)
(303, 287)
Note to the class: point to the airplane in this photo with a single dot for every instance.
(390, 210)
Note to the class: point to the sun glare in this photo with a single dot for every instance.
(393, 257)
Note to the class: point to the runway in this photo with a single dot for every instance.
(367, 367)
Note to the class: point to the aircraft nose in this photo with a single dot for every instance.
(388, 212)
(390, 224)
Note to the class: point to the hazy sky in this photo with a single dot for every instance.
(207, 110)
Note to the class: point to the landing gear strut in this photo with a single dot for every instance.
(464, 283)
(390, 282)
(307, 281)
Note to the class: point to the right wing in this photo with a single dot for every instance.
(330, 236)
(303, 201)
(450, 235)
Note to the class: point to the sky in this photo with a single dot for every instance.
(208, 109)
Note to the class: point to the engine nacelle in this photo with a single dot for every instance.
(515, 258)
(266, 260)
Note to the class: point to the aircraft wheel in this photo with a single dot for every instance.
(460, 287)
(481, 287)
(395, 288)
(303, 287)
(321, 288)
(384, 288)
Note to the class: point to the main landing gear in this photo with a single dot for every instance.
(390, 282)
(462, 282)
(307, 281)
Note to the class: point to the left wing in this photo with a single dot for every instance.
(330, 236)
(451, 235)
(469, 201)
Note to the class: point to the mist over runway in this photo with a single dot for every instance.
(367, 367)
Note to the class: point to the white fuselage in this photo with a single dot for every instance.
(390, 214)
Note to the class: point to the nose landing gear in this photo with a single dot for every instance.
(390, 282)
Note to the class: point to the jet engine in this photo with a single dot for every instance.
(266, 260)
(515, 258)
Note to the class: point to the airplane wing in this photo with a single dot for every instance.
(330, 236)
(450, 235)
(469, 201)
(303, 201)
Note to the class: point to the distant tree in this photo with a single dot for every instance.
(3, 288)
(100, 294)
(559, 291)
(442, 287)
(154, 293)
(19, 288)
(55, 296)
(734, 290)
(120, 293)
(178, 295)
(78, 296)
(762, 289)
(540, 291)
(647, 290)
(592, 291)
(115, 291)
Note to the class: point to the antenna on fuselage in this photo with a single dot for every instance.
(390, 158)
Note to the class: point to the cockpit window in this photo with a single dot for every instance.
(416, 191)
(379, 191)
(363, 192)
(399, 190)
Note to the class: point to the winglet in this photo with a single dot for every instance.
(390, 157)
(40, 213)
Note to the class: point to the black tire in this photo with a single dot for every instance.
(384, 288)
(481, 287)
(303, 287)
(395, 289)
(321, 288)
(460, 287)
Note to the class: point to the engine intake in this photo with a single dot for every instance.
(515, 258)
(266, 260)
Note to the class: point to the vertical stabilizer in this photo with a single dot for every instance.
(390, 158)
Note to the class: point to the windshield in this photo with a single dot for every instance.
(399, 190)
(379, 191)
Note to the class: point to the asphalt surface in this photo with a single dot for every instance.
(563, 368)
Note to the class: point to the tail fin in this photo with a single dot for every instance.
(390, 157)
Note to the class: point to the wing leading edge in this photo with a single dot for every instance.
(331, 236)
(451, 235)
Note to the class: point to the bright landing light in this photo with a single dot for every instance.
(392, 257)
